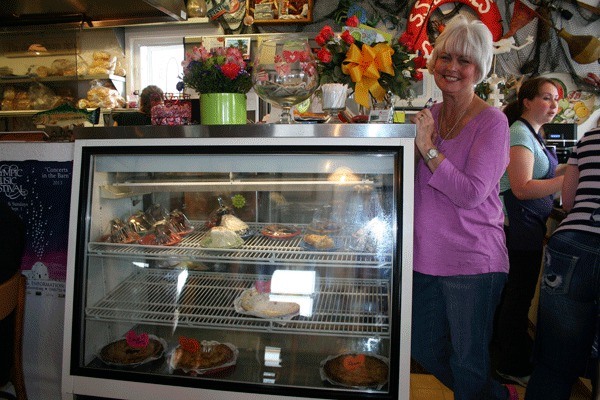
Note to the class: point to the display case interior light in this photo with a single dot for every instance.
(293, 282)
(298, 287)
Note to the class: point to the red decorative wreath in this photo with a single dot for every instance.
(416, 37)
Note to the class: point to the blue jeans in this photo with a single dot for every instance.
(567, 314)
(452, 328)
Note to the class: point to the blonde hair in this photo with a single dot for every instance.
(471, 39)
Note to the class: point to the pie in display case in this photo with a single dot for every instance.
(212, 262)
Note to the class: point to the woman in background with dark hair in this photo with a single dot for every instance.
(527, 188)
(150, 96)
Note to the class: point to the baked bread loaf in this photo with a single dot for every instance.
(259, 304)
(208, 355)
(321, 242)
(121, 353)
(357, 370)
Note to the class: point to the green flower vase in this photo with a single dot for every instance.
(223, 109)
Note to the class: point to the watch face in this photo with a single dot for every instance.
(432, 153)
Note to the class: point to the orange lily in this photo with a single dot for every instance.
(364, 66)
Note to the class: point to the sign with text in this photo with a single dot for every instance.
(39, 192)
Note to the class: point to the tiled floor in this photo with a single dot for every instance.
(426, 387)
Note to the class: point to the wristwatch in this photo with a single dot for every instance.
(431, 154)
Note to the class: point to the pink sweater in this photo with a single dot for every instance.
(458, 214)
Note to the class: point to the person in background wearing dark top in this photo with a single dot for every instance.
(460, 258)
(527, 188)
(570, 285)
(150, 96)
(12, 245)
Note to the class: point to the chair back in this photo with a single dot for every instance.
(12, 298)
(12, 294)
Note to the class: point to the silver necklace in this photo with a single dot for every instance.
(448, 133)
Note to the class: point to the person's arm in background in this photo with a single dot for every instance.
(560, 169)
(520, 175)
(569, 187)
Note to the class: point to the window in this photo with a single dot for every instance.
(160, 65)
(154, 54)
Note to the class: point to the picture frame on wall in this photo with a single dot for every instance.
(242, 43)
(280, 11)
(211, 42)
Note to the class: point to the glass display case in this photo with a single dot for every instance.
(255, 262)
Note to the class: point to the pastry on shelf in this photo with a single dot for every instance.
(258, 304)
(214, 219)
(280, 231)
(156, 213)
(192, 357)
(163, 235)
(221, 238)
(180, 223)
(235, 224)
(356, 370)
(120, 232)
(319, 242)
(324, 221)
(133, 350)
(139, 223)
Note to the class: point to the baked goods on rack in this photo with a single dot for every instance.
(252, 302)
(133, 350)
(180, 223)
(357, 370)
(120, 232)
(221, 238)
(280, 231)
(323, 227)
(214, 218)
(198, 358)
(319, 242)
(233, 223)
(163, 235)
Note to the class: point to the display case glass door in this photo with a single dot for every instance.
(262, 269)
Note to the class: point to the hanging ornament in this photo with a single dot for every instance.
(416, 30)
(495, 97)
(522, 15)
(583, 49)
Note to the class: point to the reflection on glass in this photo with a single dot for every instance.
(343, 175)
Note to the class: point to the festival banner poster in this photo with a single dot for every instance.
(39, 192)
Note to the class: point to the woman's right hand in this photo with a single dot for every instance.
(426, 135)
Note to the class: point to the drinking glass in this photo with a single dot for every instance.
(285, 73)
(334, 100)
